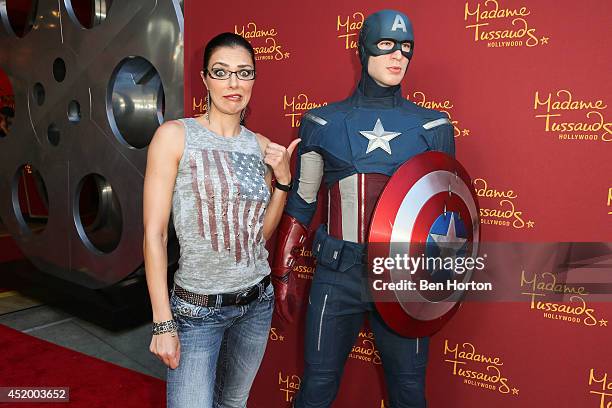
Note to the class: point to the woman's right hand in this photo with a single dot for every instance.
(163, 157)
(167, 348)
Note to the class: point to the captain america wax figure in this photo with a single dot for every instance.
(354, 146)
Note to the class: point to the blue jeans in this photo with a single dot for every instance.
(221, 350)
(337, 305)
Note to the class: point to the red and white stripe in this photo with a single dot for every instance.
(222, 214)
(351, 203)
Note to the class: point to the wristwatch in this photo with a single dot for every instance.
(284, 187)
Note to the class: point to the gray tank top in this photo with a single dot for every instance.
(218, 207)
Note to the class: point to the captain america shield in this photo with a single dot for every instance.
(425, 225)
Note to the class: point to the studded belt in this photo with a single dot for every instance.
(238, 298)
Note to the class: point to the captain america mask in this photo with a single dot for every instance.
(390, 28)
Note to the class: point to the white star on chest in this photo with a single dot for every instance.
(379, 138)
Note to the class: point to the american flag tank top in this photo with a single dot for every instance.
(218, 205)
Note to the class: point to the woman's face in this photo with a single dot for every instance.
(230, 95)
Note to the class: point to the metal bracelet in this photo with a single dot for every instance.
(168, 326)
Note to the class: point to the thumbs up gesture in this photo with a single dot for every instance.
(279, 157)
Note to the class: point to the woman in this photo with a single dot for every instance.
(210, 171)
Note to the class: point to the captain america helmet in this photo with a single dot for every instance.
(388, 25)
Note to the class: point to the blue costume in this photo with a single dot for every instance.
(354, 146)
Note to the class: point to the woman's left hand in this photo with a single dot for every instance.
(278, 157)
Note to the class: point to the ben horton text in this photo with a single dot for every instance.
(411, 264)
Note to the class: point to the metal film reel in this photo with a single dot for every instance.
(92, 79)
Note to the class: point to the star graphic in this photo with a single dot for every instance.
(378, 137)
(530, 224)
(466, 132)
(544, 40)
(515, 391)
(450, 243)
(281, 338)
(603, 323)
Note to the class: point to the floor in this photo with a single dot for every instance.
(128, 348)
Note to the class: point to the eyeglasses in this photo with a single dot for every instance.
(224, 74)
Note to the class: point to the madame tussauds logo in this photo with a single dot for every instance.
(445, 106)
(288, 385)
(274, 335)
(364, 349)
(497, 26)
(477, 369)
(295, 106)
(576, 311)
(601, 387)
(264, 41)
(305, 267)
(502, 210)
(571, 118)
(198, 105)
(348, 29)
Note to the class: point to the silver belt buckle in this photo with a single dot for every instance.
(241, 298)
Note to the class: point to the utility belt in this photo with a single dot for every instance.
(337, 254)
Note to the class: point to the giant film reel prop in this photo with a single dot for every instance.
(88, 98)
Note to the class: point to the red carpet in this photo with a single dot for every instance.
(30, 362)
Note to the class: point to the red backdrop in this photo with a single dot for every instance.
(526, 84)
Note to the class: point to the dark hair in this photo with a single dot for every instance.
(226, 40)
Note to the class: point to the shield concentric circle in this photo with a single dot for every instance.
(426, 217)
